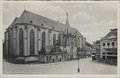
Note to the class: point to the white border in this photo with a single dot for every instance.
(58, 75)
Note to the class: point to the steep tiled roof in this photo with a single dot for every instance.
(14, 21)
(29, 17)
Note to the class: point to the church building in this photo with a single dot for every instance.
(34, 38)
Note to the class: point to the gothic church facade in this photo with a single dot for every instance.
(34, 38)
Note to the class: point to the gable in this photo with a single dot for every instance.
(110, 35)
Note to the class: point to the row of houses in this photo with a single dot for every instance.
(35, 38)
(105, 49)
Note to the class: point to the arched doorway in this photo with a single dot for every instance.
(21, 42)
(32, 42)
(54, 40)
(43, 41)
(53, 60)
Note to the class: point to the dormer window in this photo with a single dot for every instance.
(53, 27)
(25, 27)
(49, 31)
(42, 24)
(15, 27)
(31, 21)
(11, 29)
(38, 29)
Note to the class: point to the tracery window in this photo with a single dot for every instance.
(59, 39)
(21, 42)
(54, 40)
(32, 42)
(43, 41)
(9, 42)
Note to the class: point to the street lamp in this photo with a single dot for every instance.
(78, 70)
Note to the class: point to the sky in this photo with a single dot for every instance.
(92, 19)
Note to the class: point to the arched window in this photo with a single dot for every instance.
(65, 42)
(32, 42)
(78, 42)
(21, 42)
(54, 40)
(71, 41)
(59, 39)
(8, 42)
(43, 41)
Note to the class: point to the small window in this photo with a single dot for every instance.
(56, 57)
(42, 24)
(108, 44)
(50, 57)
(53, 27)
(103, 44)
(103, 53)
(47, 58)
(38, 29)
(113, 43)
(30, 21)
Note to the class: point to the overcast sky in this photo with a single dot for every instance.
(92, 19)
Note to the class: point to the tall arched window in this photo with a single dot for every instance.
(8, 42)
(43, 41)
(54, 40)
(65, 42)
(32, 42)
(59, 39)
(78, 42)
(21, 42)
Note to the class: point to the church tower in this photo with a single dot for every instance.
(67, 31)
(67, 21)
(67, 25)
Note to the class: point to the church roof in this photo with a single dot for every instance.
(28, 17)
(14, 21)
(38, 20)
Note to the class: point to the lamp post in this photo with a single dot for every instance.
(78, 70)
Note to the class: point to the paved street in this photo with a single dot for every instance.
(87, 66)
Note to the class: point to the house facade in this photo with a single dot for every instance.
(34, 38)
(96, 50)
(108, 47)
